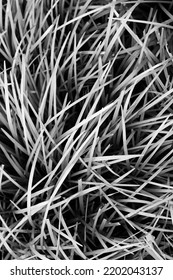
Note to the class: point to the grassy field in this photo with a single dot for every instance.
(86, 129)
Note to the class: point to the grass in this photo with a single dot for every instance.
(86, 140)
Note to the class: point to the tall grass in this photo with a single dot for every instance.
(86, 140)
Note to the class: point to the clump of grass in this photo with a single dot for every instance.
(86, 129)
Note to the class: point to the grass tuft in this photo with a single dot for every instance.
(86, 130)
